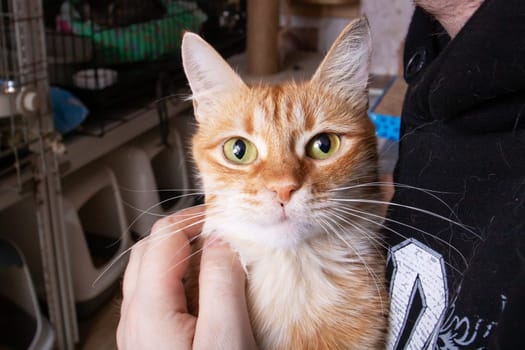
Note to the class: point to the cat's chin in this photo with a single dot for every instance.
(281, 235)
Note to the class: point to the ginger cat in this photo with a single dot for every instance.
(288, 174)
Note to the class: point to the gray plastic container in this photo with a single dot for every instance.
(22, 325)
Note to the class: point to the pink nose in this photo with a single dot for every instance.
(284, 192)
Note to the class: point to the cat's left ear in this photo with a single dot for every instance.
(344, 70)
(208, 73)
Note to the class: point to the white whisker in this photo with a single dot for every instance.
(359, 213)
(373, 275)
(207, 243)
(148, 210)
(423, 211)
(395, 184)
(359, 227)
(193, 190)
(429, 192)
(159, 238)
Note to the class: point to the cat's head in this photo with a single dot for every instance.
(274, 160)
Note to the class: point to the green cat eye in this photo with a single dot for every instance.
(323, 146)
(240, 150)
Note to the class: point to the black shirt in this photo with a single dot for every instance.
(457, 276)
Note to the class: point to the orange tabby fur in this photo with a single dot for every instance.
(315, 272)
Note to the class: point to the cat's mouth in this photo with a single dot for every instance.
(283, 216)
(287, 219)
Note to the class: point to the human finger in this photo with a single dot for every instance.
(154, 306)
(166, 257)
(185, 222)
(223, 320)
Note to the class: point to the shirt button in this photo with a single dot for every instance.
(415, 63)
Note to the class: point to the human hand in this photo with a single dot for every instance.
(154, 312)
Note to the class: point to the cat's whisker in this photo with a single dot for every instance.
(158, 238)
(355, 226)
(423, 211)
(359, 214)
(429, 192)
(191, 255)
(381, 183)
(190, 191)
(327, 225)
(187, 217)
(142, 190)
(148, 210)
(142, 213)
(208, 242)
(373, 238)
(359, 228)
(373, 275)
(178, 96)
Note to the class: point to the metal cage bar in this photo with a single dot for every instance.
(24, 101)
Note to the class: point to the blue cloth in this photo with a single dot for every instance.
(68, 111)
(387, 126)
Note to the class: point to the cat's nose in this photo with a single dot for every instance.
(284, 192)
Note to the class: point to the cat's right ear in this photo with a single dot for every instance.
(208, 74)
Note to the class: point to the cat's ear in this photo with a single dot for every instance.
(208, 73)
(344, 70)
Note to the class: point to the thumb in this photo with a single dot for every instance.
(223, 320)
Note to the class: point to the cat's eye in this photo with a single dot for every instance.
(240, 151)
(323, 146)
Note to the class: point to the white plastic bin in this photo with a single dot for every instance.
(153, 179)
(97, 235)
(22, 325)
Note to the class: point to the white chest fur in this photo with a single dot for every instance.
(287, 290)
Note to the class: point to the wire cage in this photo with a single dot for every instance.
(24, 118)
(14, 145)
(115, 54)
(27, 160)
(109, 55)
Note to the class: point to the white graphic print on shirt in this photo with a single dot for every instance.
(418, 288)
(420, 314)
